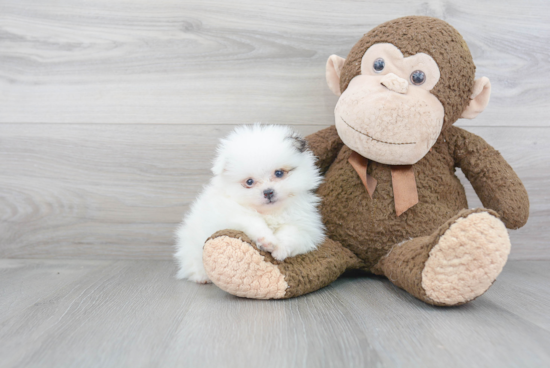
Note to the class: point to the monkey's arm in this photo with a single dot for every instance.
(325, 144)
(493, 179)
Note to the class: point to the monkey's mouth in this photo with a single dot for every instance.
(374, 139)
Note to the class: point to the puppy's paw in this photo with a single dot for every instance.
(291, 242)
(199, 278)
(266, 243)
(280, 253)
(204, 282)
(287, 241)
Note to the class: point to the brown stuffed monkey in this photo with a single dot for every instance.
(391, 202)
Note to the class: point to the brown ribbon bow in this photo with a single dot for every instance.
(403, 182)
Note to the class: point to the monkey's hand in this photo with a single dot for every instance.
(497, 185)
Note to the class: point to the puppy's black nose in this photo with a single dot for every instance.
(268, 193)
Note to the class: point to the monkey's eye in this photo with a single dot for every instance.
(418, 77)
(378, 65)
(279, 173)
(249, 182)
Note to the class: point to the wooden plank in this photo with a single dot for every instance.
(531, 303)
(100, 191)
(527, 151)
(118, 191)
(408, 333)
(216, 62)
(119, 306)
(135, 314)
(26, 283)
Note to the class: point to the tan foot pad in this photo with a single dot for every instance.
(236, 267)
(467, 259)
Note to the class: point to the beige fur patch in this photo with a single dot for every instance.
(467, 259)
(376, 122)
(394, 83)
(234, 266)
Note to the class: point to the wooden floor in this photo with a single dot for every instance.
(128, 313)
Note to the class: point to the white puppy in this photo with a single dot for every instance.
(263, 184)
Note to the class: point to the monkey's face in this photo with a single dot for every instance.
(393, 108)
(387, 113)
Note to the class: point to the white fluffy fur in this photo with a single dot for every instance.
(287, 226)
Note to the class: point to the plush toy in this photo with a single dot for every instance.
(391, 202)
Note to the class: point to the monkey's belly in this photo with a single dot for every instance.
(370, 227)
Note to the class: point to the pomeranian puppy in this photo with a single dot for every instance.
(263, 184)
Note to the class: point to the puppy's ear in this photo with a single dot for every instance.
(298, 142)
(219, 164)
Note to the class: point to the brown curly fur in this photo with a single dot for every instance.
(361, 231)
(370, 228)
(404, 264)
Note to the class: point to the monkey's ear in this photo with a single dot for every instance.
(334, 67)
(479, 99)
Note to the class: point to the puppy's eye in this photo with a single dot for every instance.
(279, 173)
(378, 65)
(249, 182)
(418, 77)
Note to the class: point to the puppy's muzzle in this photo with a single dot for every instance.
(269, 193)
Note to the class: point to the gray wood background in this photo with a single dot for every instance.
(110, 110)
(128, 313)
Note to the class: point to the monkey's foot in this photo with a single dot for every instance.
(235, 265)
(466, 260)
(455, 264)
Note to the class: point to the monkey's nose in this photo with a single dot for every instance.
(268, 193)
(395, 83)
